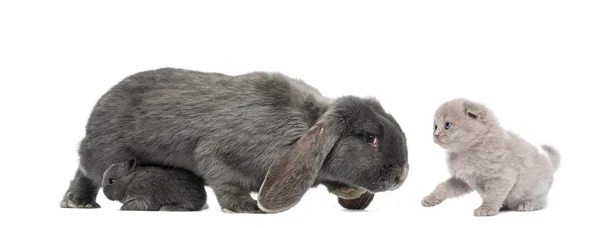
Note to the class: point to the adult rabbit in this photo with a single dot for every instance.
(259, 131)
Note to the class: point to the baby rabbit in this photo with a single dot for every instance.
(502, 167)
(152, 188)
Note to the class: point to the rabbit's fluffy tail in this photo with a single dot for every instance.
(553, 155)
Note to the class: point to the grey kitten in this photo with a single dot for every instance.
(153, 188)
(502, 167)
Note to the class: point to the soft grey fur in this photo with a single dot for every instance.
(239, 133)
(153, 188)
(502, 167)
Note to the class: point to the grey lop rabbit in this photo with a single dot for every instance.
(153, 188)
(256, 132)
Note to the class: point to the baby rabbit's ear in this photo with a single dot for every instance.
(130, 165)
(295, 171)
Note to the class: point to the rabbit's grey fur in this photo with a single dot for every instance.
(502, 167)
(153, 188)
(240, 133)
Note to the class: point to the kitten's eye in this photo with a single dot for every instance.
(111, 181)
(435, 127)
(447, 126)
(371, 139)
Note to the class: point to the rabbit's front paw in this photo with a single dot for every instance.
(76, 199)
(360, 203)
(485, 211)
(430, 201)
(243, 206)
(347, 193)
(234, 200)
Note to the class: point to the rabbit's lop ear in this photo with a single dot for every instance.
(295, 171)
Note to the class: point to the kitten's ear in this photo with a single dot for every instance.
(473, 110)
(471, 114)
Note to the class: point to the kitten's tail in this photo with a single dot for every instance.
(553, 155)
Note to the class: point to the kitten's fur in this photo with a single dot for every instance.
(502, 167)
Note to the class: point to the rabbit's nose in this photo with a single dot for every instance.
(400, 179)
(405, 172)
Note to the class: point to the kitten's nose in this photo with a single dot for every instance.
(436, 134)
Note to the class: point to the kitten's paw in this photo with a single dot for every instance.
(78, 200)
(430, 201)
(484, 211)
(528, 206)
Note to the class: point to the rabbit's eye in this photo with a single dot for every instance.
(371, 139)
(111, 181)
(447, 126)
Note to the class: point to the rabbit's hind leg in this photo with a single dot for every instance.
(81, 194)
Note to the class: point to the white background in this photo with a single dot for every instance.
(535, 63)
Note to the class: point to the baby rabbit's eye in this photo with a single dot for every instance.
(448, 126)
(111, 181)
(371, 139)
